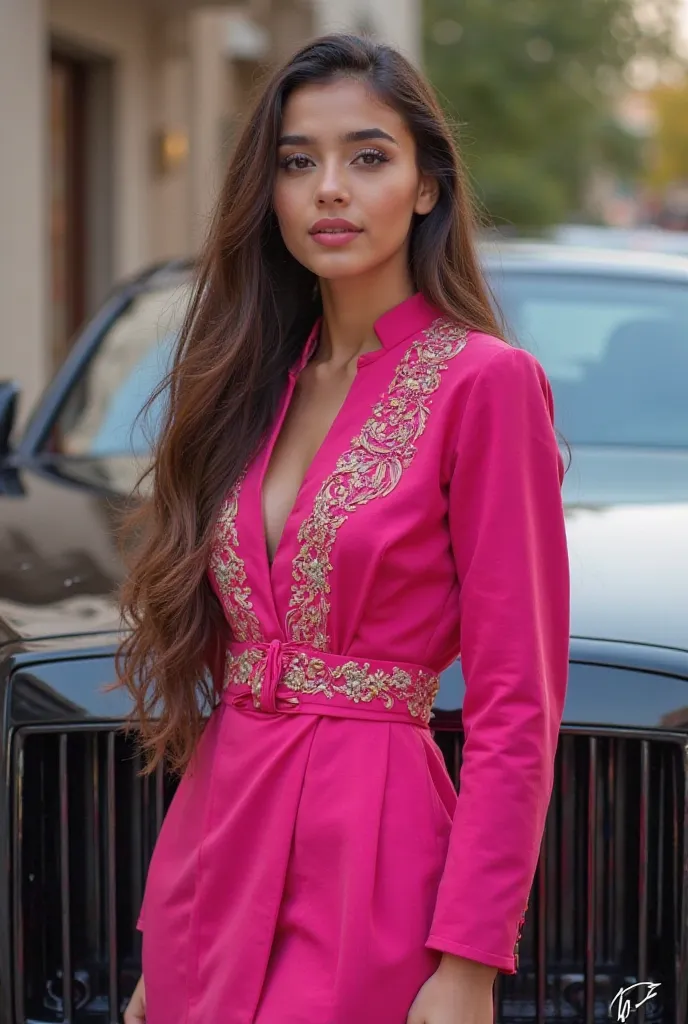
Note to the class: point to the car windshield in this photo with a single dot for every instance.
(615, 350)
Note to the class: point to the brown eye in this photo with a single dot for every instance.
(372, 157)
(297, 161)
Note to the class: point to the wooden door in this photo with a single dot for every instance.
(68, 202)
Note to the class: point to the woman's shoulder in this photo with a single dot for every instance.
(493, 361)
(495, 388)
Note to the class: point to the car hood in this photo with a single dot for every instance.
(627, 527)
(626, 517)
(59, 560)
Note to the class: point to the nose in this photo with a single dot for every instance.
(332, 187)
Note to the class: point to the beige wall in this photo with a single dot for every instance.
(208, 104)
(169, 214)
(170, 71)
(290, 27)
(169, 77)
(150, 214)
(23, 198)
(119, 29)
(394, 21)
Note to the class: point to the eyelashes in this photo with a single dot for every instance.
(376, 153)
(290, 162)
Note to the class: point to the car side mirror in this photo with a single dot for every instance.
(9, 396)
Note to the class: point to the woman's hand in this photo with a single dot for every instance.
(136, 1010)
(459, 992)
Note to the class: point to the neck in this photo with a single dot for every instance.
(350, 308)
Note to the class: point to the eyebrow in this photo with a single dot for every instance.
(361, 136)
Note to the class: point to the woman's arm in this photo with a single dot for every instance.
(509, 541)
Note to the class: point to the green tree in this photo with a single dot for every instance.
(532, 86)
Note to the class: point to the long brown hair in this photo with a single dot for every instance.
(251, 309)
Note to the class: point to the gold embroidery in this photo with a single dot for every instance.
(522, 921)
(371, 468)
(230, 572)
(302, 673)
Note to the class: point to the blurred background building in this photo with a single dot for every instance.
(117, 119)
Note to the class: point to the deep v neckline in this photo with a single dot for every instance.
(399, 322)
(310, 469)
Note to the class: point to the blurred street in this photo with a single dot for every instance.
(118, 117)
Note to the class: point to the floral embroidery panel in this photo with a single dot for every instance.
(370, 469)
(230, 572)
(355, 680)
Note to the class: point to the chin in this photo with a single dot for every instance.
(341, 273)
(341, 266)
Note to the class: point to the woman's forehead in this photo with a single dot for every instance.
(336, 108)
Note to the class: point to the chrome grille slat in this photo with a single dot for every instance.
(592, 888)
(112, 957)
(661, 852)
(541, 931)
(682, 904)
(643, 919)
(65, 900)
(18, 870)
(94, 881)
(568, 853)
(615, 841)
(581, 941)
(139, 805)
(619, 864)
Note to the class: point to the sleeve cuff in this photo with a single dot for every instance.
(506, 964)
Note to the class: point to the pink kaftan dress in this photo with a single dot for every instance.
(315, 861)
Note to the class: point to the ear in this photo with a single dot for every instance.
(428, 194)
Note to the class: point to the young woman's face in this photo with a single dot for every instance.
(344, 156)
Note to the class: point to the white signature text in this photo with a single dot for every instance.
(625, 1004)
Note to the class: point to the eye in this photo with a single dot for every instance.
(297, 161)
(372, 157)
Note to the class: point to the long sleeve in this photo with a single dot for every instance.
(507, 532)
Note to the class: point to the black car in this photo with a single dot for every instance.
(609, 908)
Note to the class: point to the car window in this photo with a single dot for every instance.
(101, 416)
(615, 350)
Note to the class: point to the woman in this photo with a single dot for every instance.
(356, 481)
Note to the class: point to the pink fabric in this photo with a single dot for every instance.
(315, 861)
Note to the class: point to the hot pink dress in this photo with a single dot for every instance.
(315, 861)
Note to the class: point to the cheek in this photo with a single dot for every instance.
(286, 206)
(389, 209)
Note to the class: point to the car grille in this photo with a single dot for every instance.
(607, 908)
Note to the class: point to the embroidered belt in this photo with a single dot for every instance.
(284, 677)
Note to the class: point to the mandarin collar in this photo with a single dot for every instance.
(407, 319)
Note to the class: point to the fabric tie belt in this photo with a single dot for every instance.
(287, 677)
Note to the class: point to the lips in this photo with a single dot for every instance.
(334, 226)
(334, 233)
